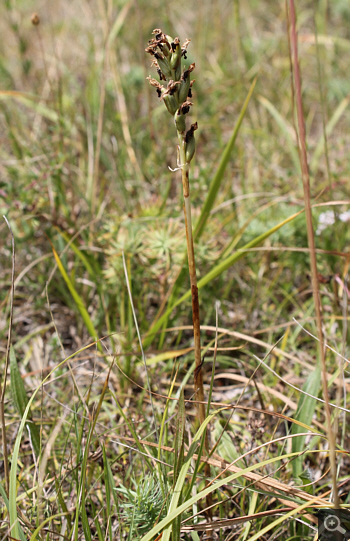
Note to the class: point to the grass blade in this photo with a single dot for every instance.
(281, 519)
(285, 129)
(108, 493)
(179, 456)
(329, 129)
(30, 101)
(78, 300)
(304, 414)
(180, 483)
(219, 175)
(20, 399)
(175, 510)
(179, 436)
(46, 521)
(7, 503)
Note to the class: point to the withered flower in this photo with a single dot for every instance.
(191, 131)
(171, 87)
(184, 48)
(156, 84)
(167, 55)
(185, 107)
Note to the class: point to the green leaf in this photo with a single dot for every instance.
(180, 483)
(41, 526)
(179, 457)
(307, 478)
(219, 175)
(285, 128)
(108, 493)
(21, 400)
(252, 508)
(226, 448)
(283, 518)
(304, 414)
(32, 102)
(7, 503)
(179, 436)
(78, 301)
(78, 252)
(329, 128)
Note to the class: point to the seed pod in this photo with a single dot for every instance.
(175, 59)
(171, 103)
(190, 142)
(165, 48)
(183, 89)
(180, 121)
(190, 149)
(163, 64)
(178, 72)
(185, 83)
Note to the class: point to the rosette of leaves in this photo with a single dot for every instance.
(155, 247)
(167, 58)
(123, 236)
(142, 507)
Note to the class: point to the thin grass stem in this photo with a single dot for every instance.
(311, 243)
(4, 379)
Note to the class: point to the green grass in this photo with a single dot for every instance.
(84, 156)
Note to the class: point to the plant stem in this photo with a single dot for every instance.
(3, 379)
(311, 242)
(198, 374)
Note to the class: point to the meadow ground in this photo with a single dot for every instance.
(85, 152)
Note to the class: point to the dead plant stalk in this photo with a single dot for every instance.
(311, 243)
(3, 379)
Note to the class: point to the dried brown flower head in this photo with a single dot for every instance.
(167, 54)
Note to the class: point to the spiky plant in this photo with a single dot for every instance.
(143, 506)
(167, 56)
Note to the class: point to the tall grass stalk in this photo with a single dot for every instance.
(311, 243)
(3, 380)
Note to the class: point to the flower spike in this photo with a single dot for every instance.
(167, 54)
